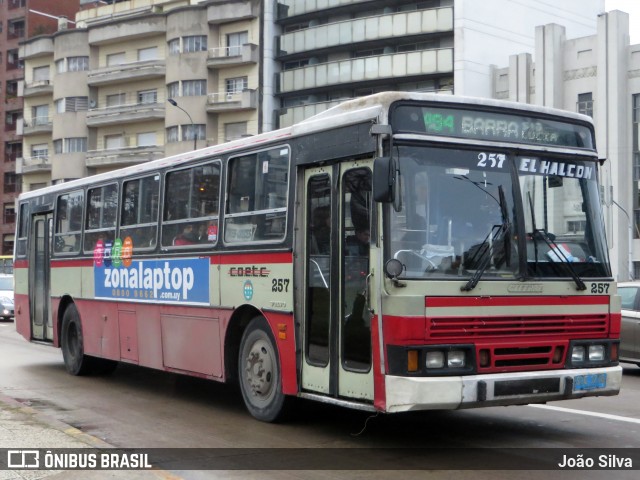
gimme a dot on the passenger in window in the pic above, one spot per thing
(358, 245)
(186, 237)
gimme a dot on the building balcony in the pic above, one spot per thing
(359, 30)
(131, 22)
(38, 88)
(225, 11)
(232, 102)
(291, 8)
(26, 165)
(130, 113)
(380, 67)
(36, 125)
(224, 57)
(127, 72)
(291, 115)
(36, 47)
(124, 156)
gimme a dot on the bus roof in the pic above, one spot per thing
(350, 112)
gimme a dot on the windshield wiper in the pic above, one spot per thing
(486, 252)
(553, 246)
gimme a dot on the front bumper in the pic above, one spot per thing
(445, 393)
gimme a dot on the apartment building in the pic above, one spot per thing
(328, 51)
(97, 97)
(598, 75)
(19, 20)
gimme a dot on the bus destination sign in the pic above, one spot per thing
(492, 126)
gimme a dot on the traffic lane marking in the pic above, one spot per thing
(589, 414)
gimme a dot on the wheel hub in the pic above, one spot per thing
(259, 370)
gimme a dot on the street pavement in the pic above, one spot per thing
(22, 427)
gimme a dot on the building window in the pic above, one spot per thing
(9, 213)
(40, 115)
(113, 142)
(116, 99)
(236, 85)
(233, 131)
(189, 132)
(116, 59)
(636, 108)
(196, 43)
(147, 139)
(192, 88)
(585, 104)
(235, 41)
(14, 60)
(172, 134)
(145, 54)
(173, 89)
(148, 96)
(40, 150)
(174, 46)
(41, 75)
(12, 150)
(12, 88)
(77, 64)
(70, 145)
(10, 181)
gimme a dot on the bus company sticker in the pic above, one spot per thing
(247, 290)
(184, 280)
(116, 253)
(98, 253)
(127, 252)
(212, 233)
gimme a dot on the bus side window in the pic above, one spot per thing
(68, 225)
(191, 214)
(139, 217)
(102, 212)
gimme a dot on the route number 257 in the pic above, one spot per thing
(491, 160)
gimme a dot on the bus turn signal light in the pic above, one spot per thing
(412, 361)
(282, 331)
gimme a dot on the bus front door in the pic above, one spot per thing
(337, 337)
(39, 277)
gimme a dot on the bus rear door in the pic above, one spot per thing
(336, 327)
(39, 276)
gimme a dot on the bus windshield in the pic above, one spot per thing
(463, 214)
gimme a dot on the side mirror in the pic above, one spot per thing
(383, 180)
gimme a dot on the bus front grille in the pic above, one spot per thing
(455, 328)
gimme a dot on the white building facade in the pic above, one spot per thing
(598, 75)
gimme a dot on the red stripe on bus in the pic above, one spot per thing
(80, 262)
(231, 259)
(514, 301)
(252, 257)
(21, 263)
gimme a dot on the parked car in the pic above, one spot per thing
(6, 297)
(630, 334)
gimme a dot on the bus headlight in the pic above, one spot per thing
(456, 359)
(577, 354)
(592, 353)
(596, 353)
(435, 359)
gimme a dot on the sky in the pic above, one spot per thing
(632, 7)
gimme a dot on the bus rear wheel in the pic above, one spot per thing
(72, 342)
(76, 362)
(259, 372)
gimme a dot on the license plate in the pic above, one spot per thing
(590, 381)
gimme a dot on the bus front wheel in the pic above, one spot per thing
(259, 372)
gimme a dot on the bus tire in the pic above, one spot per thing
(75, 361)
(259, 372)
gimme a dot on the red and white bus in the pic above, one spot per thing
(398, 252)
